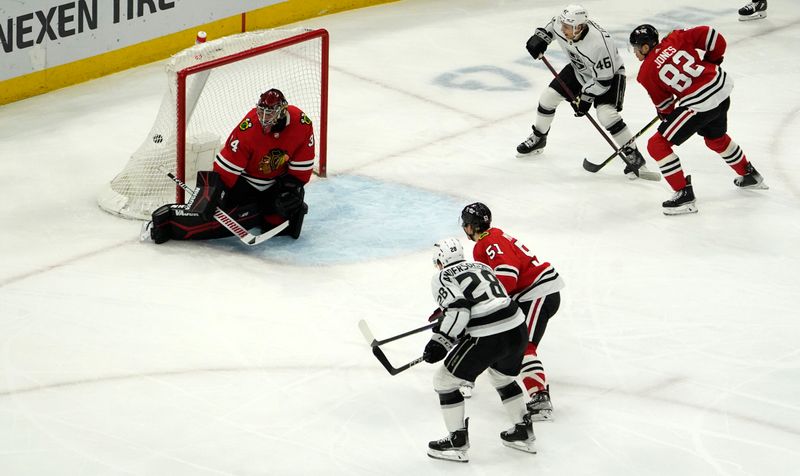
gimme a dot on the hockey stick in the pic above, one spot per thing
(378, 353)
(232, 225)
(373, 342)
(644, 175)
(593, 168)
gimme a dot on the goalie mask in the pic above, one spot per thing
(447, 251)
(271, 108)
(477, 215)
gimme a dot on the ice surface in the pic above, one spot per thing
(675, 351)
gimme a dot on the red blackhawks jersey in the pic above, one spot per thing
(522, 274)
(674, 74)
(260, 158)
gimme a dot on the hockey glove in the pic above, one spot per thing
(582, 104)
(290, 196)
(537, 44)
(437, 348)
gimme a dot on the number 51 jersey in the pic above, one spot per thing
(673, 70)
(473, 300)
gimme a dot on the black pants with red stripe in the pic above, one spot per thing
(547, 308)
(682, 123)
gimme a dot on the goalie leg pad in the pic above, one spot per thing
(210, 190)
(178, 223)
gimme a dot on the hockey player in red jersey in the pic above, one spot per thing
(534, 284)
(692, 95)
(258, 177)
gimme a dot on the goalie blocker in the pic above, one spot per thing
(267, 209)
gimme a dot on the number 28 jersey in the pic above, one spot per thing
(473, 301)
(674, 74)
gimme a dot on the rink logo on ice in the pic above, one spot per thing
(354, 219)
(483, 78)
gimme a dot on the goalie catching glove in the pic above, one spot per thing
(290, 196)
(437, 348)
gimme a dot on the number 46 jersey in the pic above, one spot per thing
(473, 301)
(673, 71)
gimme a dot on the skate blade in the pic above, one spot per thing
(684, 210)
(651, 176)
(533, 152)
(526, 446)
(754, 16)
(758, 186)
(542, 415)
(458, 456)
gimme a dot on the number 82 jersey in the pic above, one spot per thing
(673, 70)
(473, 301)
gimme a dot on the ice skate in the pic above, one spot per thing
(452, 447)
(144, 232)
(635, 166)
(540, 407)
(753, 11)
(633, 161)
(521, 436)
(534, 144)
(752, 179)
(682, 202)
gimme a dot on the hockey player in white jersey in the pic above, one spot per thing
(595, 75)
(481, 328)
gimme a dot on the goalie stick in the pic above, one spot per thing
(593, 168)
(232, 225)
(378, 353)
(646, 175)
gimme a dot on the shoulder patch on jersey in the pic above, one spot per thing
(304, 119)
(273, 160)
(245, 124)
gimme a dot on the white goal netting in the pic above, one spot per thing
(240, 68)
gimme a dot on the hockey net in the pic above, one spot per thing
(212, 86)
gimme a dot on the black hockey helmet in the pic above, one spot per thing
(644, 35)
(271, 108)
(478, 215)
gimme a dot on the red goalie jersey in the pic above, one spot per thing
(260, 157)
(674, 74)
(521, 273)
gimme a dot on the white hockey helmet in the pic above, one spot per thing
(447, 251)
(573, 15)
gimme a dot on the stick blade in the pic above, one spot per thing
(590, 167)
(366, 332)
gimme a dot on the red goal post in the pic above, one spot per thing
(212, 86)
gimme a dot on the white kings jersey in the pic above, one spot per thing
(473, 301)
(594, 57)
